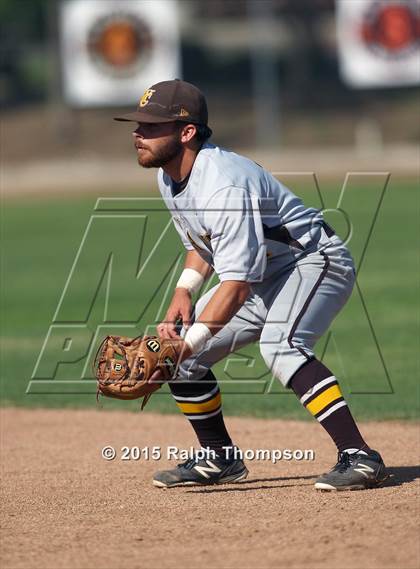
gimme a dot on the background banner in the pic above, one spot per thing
(112, 50)
(378, 42)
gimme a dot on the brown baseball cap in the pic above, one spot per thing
(169, 101)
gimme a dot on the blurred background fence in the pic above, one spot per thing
(270, 70)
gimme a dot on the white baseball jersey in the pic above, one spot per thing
(242, 221)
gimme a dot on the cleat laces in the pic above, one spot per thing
(344, 462)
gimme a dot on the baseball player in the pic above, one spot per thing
(284, 275)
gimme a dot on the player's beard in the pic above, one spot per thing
(159, 157)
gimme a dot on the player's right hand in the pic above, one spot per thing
(179, 309)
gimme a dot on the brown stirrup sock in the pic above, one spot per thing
(201, 403)
(319, 392)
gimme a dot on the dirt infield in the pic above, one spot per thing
(64, 506)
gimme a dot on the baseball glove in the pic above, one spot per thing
(123, 366)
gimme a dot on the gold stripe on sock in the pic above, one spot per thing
(324, 399)
(200, 407)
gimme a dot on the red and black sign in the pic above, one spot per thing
(392, 29)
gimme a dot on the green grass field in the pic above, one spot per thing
(376, 358)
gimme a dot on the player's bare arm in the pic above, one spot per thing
(194, 261)
(181, 304)
(224, 304)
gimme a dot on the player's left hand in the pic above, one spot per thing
(183, 352)
(129, 368)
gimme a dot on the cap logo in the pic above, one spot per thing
(183, 112)
(146, 97)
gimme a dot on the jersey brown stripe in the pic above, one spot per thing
(306, 304)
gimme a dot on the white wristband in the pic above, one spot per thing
(197, 336)
(191, 280)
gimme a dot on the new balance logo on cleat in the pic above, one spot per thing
(202, 472)
(365, 470)
(207, 470)
(358, 471)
